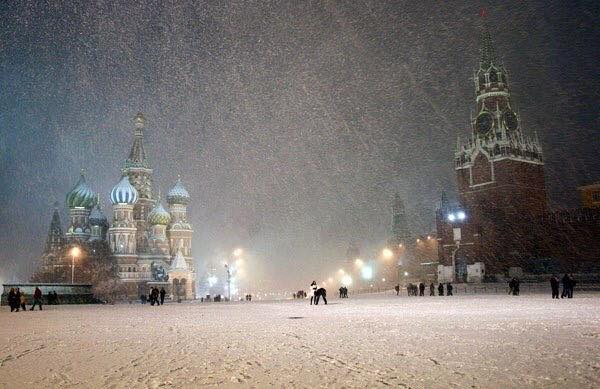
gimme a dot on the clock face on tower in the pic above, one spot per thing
(510, 120)
(484, 123)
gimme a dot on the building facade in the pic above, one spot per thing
(149, 244)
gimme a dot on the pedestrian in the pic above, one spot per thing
(321, 292)
(421, 289)
(566, 281)
(37, 298)
(23, 302)
(12, 299)
(431, 289)
(511, 286)
(49, 298)
(449, 289)
(341, 292)
(313, 289)
(17, 299)
(143, 298)
(55, 297)
(397, 289)
(572, 283)
(155, 294)
(162, 295)
(554, 285)
(440, 289)
(516, 287)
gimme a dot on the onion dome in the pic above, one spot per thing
(178, 194)
(179, 262)
(124, 192)
(159, 215)
(81, 196)
(97, 217)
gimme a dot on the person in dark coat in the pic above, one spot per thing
(554, 285)
(449, 289)
(431, 289)
(421, 289)
(397, 289)
(155, 296)
(55, 298)
(566, 281)
(12, 299)
(162, 296)
(440, 289)
(341, 291)
(37, 298)
(143, 298)
(516, 287)
(17, 299)
(321, 292)
(572, 283)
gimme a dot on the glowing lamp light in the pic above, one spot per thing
(367, 272)
(346, 280)
(451, 217)
(387, 253)
(75, 251)
(359, 262)
(461, 215)
(405, 274)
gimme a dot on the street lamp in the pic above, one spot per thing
(75, 251)
(387, 253)
(228, 281)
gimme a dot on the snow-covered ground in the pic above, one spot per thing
(418, 342)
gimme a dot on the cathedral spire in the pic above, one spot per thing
(400, 232)
(55, 238)
(137, 155)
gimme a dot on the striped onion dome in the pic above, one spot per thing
(178, 194)
(124, 192)
(179, 262)
(159, 215)
(81, 196)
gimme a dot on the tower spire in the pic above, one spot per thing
(137, 155)
(488, 51)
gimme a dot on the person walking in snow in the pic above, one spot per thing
(12, 299)
(566, 281)
(397, 289)
(449, 289)
(341, 292)
(431, 289)
(313, 289)
(421, 289)
(440, 289)
(37, 298)
(321, 292)
(162, 296)
(18, 295)
(23, 302)
(554, 285)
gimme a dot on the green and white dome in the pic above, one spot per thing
(159, 215)
(178, 195)
(81, 196)
(124, 192)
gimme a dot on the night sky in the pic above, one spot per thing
(292, 124)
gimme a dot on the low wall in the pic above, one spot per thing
(67, 293)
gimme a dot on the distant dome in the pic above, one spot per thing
(81, 196)
(159, 215)
(124, 192)
(178, 195)
(97, 217)
(179, 262)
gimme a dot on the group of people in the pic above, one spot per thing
(419, 290)
(17, 299)
(568, 285)
(343, 292)
(317, 293)
(248, 297)
(300, 294)
(155, 296)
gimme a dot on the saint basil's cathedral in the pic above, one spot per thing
(150, 244)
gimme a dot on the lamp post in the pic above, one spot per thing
(75, 251)
(228, 282)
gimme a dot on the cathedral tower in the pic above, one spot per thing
(80, 200)
(180, 231)
(55, 244)
(137, 168)
(122, 232)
